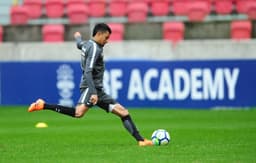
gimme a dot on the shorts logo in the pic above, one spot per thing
(89, 103)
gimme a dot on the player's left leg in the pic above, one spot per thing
(128, 123)
(107, 103)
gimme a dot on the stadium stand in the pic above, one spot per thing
(134, 15)
(160, 7)
(173, 31)
(137, 12)
(54, 8)
(34, 8)
(1, 33)
(77, 13)
(117, 32)
(241, 30)
(97, 8)
(223, 7)
(19, 15)
(117, 8)
(53, 33)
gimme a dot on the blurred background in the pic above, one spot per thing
(162, 53)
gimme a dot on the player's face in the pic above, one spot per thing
(104, 36)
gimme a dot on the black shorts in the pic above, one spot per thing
(104, 100)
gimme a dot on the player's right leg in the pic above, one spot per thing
(78, 112)
(42, 105)
(35, 106)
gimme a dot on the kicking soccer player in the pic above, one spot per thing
(91, 86)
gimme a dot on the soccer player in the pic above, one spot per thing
(91, 86)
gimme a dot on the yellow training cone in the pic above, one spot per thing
(41, 125)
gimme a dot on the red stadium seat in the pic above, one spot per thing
(251, 10)
(34, 8)
(179, 7)
(77, 2)
(53, 33)
(19, 15)
(160, 7)
(117, 31)
(173, 31)
(241, 5)
(1, 33)
(77, 13)
(247, 7)
(223, 7)
(143, 1)
(117, 7)
(54, 8)
(97, 8)
(241, 30)
(197, 11)
(137, 12)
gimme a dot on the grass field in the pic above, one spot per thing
(197, 136)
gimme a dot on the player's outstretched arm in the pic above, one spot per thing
(79, 41)
(77, 34)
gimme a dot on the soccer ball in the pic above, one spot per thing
(160, 137)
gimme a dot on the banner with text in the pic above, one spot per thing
(170, 84)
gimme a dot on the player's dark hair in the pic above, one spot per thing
(101, 27)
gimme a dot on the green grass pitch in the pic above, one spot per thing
(197, 136)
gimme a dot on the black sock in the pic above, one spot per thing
(61, 109)
(130, 126)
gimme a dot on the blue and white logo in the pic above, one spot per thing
(65, 84)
